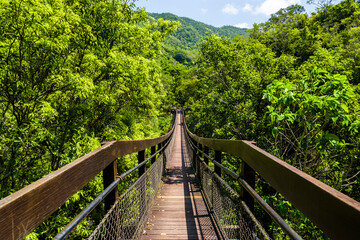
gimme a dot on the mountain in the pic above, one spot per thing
(191, 33)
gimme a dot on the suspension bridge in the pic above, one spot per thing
(183, 191)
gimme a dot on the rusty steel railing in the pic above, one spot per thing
(24, 210)
(336, 214)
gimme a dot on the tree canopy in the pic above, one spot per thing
(292, 87)
(74, 74)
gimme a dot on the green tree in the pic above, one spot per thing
(74, 74)
(269, 88)
(307, 116)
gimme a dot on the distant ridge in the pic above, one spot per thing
(192, 33)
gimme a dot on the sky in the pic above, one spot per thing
(239, 13)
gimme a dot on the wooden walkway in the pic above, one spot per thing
(179, 210)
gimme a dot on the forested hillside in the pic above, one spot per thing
(74, 74)
(191, 33)
(183, 45)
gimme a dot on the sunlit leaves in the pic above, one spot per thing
(74, 74)
(291, 87)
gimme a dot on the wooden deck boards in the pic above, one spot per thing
(179, 211)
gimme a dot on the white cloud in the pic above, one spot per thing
(272, 6)
(247, 8)
(230, 9)
(242, 25)
(204, 10)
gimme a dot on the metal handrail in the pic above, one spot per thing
(84, 213)
(26, 208)
(272, 213)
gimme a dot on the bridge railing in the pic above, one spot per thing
(336, 214)
(24, 210)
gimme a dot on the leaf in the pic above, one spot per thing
(334, 119)
(345, 107)
(330, 136)
(281, 117)
(274, 131)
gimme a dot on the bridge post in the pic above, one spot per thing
(141, 158)
(218, 159)
(153, 150)
(199, 158)
(142, 190)
(164, 158)
(200, 149)
(159, 147)
(109, 175)
(196, 158)
(193, 155)
(248, 174)
(206, 151)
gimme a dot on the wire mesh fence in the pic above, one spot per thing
(126, 218)
(233, 217)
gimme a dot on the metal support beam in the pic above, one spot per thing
(206, 151)
(159, 147)
(248, 175)
(153, 151)
(218, 159)
(141, 158)
(109, 176)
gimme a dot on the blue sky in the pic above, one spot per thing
(240, 13)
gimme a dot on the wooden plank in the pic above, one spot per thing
(177, 227)
(179, 222)
(24, 210)
(177, 237)
(178, 197)
(126, 147)
(332, 211)
(172, 208)
(177, 232)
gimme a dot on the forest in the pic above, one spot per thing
(74, 74)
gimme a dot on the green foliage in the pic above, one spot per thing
(72, 75)
(192, 33)
(307, 116)
(76, 73)
(292, 87)
(232, 75)
(183, 45)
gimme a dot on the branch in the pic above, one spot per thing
(352, 176)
